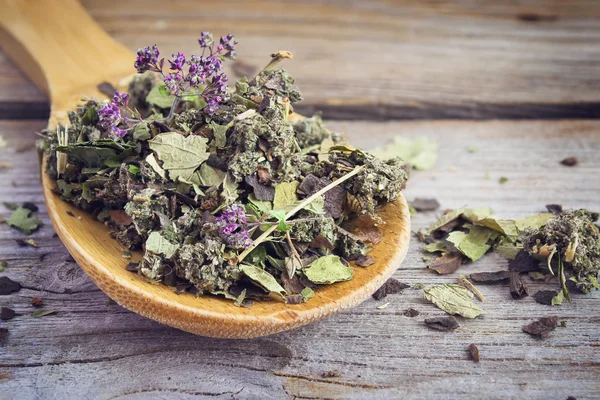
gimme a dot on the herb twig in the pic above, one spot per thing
(299, 207)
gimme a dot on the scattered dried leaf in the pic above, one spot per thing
(36, 302)
(454, 299)
(331, 374)
(442, 323)
(120, 217)
(570, 161)
(422, 204)
(391, 286)
(542, 327)
(545, 296)
(411, 313)
(474, 351)
(8, 286)
(447, 263)
(518, 288)
(7, 313)
(523, 262)
(364, 261)
(554, 209)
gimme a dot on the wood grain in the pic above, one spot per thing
(99, 350)
(387, 59)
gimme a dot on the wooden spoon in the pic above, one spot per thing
(67, 55)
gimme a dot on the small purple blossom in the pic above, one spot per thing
(120, 99)
(147, 59)
(177, 62)
(173, 83)
(206, 39)
(109, 115)
(232, 226)
(117, 132)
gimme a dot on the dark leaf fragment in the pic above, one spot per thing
(489, 277)
(132, 267)
(3, 334)
(411, 313)
(261, 192)
(570, 161)
(442, 323)
(334, 198)
(364, 261)
(70, 213)
(554, 209)
(542, 327)
(447, 264)
(545, 296)
(518, 288)
(321, 242)
(421, 204)
(120, 217)
(392, 286)
(523, 262)
(30, 206)
(474, 351)
(7, 313)
(8, 286)
(36, 302)
(291, 285)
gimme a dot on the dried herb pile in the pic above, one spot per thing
(562, 244)
(227, 192)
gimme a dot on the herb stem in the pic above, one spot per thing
(299, 207)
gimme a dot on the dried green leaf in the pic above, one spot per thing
(506, 227)
(453, 299)
(3, 265)
(219, 135)
(141, 132)
(208, 176)
(444, 219)
(151, 160)
(133, 169)
(159, 97)
(438, 246)
(447, 264)
(420, 153)
(262, 278)
(307, 293)
(22, 220)
(473, 244)
(502, 180)
(472, 149)
(328, 269)
(533, 222)
(477, 214)
(41, 313)
(508, 250)
(263, 206)
(229, 193)
(157, 244)
(285, 194)
(558, 299)
(180, 155)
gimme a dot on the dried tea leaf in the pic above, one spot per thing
(554, 209)
(442, 323)
(542, 327)
(473, 244)
(506, 227)
(262, 192)
(477, 214)
(447, 263)
(22, 220)
(474, 351)
(438, 246)
(307, 293)
(508, 250)
(502, 180)
(26, 242)
(546, 297)
(262, 278)
(157, 244)
(3, 265)
(208, 176)
(518, 288)
(523, 262)
(181, 155)
(120, 217)
(219, 135)
(41, 313)
(364, 261)
(391, 286)
(321, 242)
(569, 161)
(381, 307)
(472, 149)
(489, 277)
(411, 313)
(537, 276)
(158, 98)
(559, 298)
(285, 195)
(7, 313)
(422, 204)
(444, 219)
(151, 160)
(328, 269)
(421, 153)
(141, 131)
(36, 302)
(533, 222)
(453, 299)
(365, 228)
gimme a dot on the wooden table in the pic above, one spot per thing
(520, 82)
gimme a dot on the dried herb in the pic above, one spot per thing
(454, 299)
(327, 270)
(331, 374)
(420, 153)
(42, 313)
(489, 277)
(36, 302)
(391, 286)
(474, 352)
(545, 296)
(7, 313)
(554, 209)
(364, 261)
(442, 323)
(422, 204)
(411, 313)
(3, 265)
(518, 288)
(502, 180)
(447, 263)
(3, 334)
(569, 161)
(8, 286)
(21, 219)
(523, 262)
(542, 327)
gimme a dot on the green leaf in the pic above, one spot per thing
(151, 160)
(208, 176)
(141, 132)
(453, 299)
(328, 269)
(473, 244)
(307, 293)
(90, 117)
(477, 214)
(257, 256)
(157, 244)
(420, 153)
(506, 227)
(558, 299)
(220, 134)
(444, 219)
(437, 246)
(263, 206)
(94, 154)
(285, 194)
(181, 155)
(158, 99)
(262, 278)
(508, 250)
(22, 220)
(162, 89)
(133, 169)
(533, 222)
(229, 193)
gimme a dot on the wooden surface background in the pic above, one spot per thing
(519, 81)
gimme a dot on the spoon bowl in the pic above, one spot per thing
(67, 66)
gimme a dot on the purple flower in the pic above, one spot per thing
(228, 43)
(206, 39)
(120, 99)
(147, 59)
(117, 132)
(109, 115)
(232, 226)
(177, 61)
(173, 83)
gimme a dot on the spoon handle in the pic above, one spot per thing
(60, 47)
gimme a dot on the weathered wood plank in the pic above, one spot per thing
(381, 60)
(99, 350)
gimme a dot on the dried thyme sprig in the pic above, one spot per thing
(299, 207)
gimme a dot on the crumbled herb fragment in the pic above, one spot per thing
(545, 296)
(447, 263)
(474, 352)
(570, 161)
(8, 286)
(391, 286)
(36, 302)
(442, 323)
(21, 219)
(411, 313)
(7, 313)
(454, 299)
(542, 327)
(3, 265)
(331, 374)
(502, 180)
(554, 209)
(518, 288)
(489, 277)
